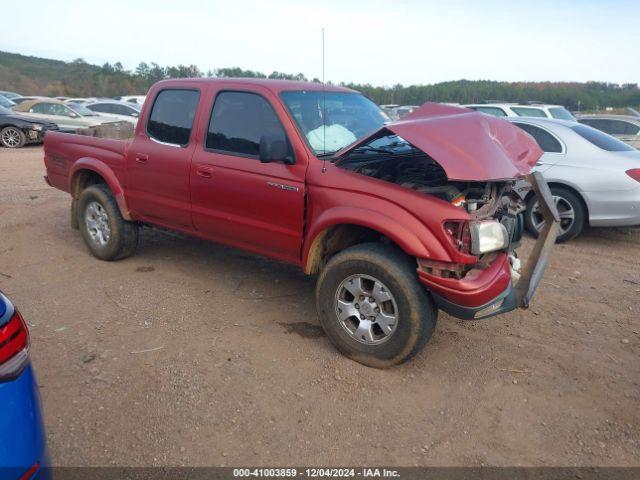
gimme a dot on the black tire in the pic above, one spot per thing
(567, 197)
(416, 314)
(123, 238)
(10, 135)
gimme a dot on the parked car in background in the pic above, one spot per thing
(18, 130)
(5, 102)
(126, 111)
(139, 99)
(404, 110)
(624, 127)
(530, 109)
(68, 117)
(19, 100)
(594, 177)
(9, 95)
(79, 100)
(275, 167)
(23, 449)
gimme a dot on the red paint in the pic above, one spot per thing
(477, 288)
(237, 201)
(469, 145)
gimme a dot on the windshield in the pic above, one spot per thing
(332, 120)
(561, 113)
(601, 139)
(82, 110)
(5, 111)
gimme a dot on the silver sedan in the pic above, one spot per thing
(594, 177)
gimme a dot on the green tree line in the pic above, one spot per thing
(40, 76)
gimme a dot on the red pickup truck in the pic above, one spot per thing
(397, 220)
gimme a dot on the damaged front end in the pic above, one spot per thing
(472, 162)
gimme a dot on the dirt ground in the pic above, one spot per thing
(191, 353)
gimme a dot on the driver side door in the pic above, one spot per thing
(238, 200)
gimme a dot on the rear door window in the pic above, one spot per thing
(172, 116)
(547, 142)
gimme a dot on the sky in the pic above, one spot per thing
(366, 41)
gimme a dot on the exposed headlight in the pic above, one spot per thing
(488, 236)
(37, 128)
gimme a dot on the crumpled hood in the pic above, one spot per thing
(468, 145)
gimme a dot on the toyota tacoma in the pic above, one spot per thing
(397, 219)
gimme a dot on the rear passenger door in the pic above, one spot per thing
(158, 161)
(554, 150)
(238, 200)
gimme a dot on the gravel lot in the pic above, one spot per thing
(191, 353)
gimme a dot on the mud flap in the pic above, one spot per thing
(539, 258)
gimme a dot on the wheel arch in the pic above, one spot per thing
(89, 171)
(342, 227)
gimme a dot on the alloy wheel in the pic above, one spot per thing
(97, 222)
(565, 210)
(366, 309)
(11, 137)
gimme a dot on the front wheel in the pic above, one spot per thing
(571, 211)
(107, 235)
(372, 307)
(12, 137)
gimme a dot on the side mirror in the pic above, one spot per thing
(274, 148)
(73, 115)
(134, 115)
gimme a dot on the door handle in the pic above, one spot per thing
(142, 157)
(204, 171)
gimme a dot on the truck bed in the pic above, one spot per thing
(63, 150)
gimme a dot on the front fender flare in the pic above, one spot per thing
(412, 237)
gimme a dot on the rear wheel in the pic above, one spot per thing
(570, 208)
(372, 306)
(107, 235)
(12, 137)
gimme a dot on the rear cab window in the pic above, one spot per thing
(172, 116)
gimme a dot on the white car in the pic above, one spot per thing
(530, 109)
(594, 178)
(139, 99)
(129, 112)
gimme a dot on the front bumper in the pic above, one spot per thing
(503, 303)
(34, 136)
(490, 291)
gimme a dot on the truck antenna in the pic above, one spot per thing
(324, 117)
